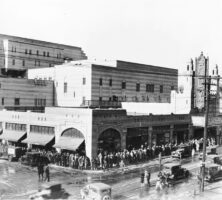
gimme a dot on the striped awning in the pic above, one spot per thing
(13, 136)
(69, 143)
(39, 139)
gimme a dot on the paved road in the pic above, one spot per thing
(19, 182)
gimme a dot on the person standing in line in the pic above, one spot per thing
(47, 174)
(148, 178)
(145, 177)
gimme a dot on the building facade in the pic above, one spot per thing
(19, 54)
(25, 94)
(84, 83)
(99, 129)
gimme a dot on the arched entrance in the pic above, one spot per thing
(72, 140)
(109, 140)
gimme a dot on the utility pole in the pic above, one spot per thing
(205, 133)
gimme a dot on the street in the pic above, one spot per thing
(20, 182)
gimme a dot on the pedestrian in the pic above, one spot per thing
(47, 175)
(40, 171)
(142, 179)
(145, 177)
(193, 153)
(148, 178)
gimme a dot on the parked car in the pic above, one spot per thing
(31, 158)
(174, 172)
(14, 153)
(96, 191)
(182, 152)
(213, 158)
(212, 172)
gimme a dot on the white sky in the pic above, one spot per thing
(158, 32)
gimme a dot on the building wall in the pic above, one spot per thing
(26, 91)
(25, 50)
(133, 75)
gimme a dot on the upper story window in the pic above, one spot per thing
(26, 51)
(65, 87)
(13, 49)
(161, 88)
(23, 62)
(110, 82)
(47, 54)
(100, 81)
(83, 80)
(138, 87)
(3, 101)
(172, 87)
(13, 62)
(43, 53)
(37, 62)
(30, 51)
(124, 85)
(37, 52)
(149, 87)
(17, 101)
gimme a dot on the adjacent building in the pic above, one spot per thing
(18, 54)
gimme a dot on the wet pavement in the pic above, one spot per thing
(20, 182)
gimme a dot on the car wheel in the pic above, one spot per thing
(106, 198)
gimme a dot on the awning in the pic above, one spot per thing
(39, 139)
(69, 143)
(13, 136)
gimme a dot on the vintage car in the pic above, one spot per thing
(212, 172)
(96, 191)
(182, 152)
(174, 171)
(31, 159)
(213, 158)
(14, 153)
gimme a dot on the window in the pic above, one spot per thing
(74, 94)
(83, 80)
(3, 101)
(138, 87)
(172, 87)
(83, 99)
(161, 88)
(13, 49)
(65, 87)
(43, 53)
(37, 62)
(100, 81)
(149, 87)
(47, 54)
(100, 98)
(37, 52)
(30, 51)
(26, 51)
(17, 101)
(123, 85)
(23, 63)
(110, 82)
(13, 62)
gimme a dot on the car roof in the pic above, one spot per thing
(212, 156)
(212, 165)
(172, 164)
(100, 186)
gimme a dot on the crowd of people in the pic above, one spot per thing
(106, 160)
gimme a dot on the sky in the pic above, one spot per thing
(165, 33)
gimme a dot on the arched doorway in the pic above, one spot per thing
(71, 140)
(109, 140)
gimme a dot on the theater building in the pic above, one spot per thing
(107, 84)
(94, 129)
